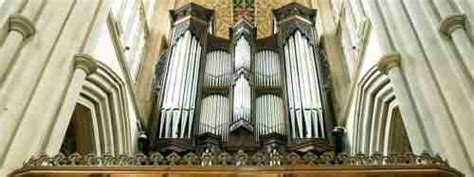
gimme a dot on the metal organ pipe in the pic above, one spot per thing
(296, 88)
(177, 112)
(242, 90)
(242, 54)
(290, 92)
(270, 115)
(218, 69)
(306, 97)
(303, 88)
(267, 69)
(242, 99)
(215, 115)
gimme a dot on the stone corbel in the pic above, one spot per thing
(22, 25)
(451, 23)
(388, 61)
(86, 63)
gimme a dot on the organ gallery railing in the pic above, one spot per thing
(229, 164)
(239, 158)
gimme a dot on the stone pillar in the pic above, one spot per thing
(454, 26)
(84, 66)
(389, 64)
(20, 28)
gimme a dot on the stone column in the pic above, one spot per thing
(389, 64)
(454, 26)
(20, 28)
(84, 66)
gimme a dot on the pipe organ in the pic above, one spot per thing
(304, 99)
(267, 69)
(242, 92)
(178, 108)
(218, 69)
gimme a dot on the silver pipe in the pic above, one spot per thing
(266, 114)
(182, 88)
(269, 69)
(219, 114)
(215, 69)
(257, 69)
(315, 75)
(193, 90)
(278, 79)
(272, 72)
(168, 123)
(162, 122)
(211, 69)
(280, 115)
(218, 68)
(179, 73)
(313, 86)
(170, 88)
(310, 68)
(263, 69)
(194, 77)
(304, 75)
(289, 90)
(297, 96)
(207, 114)
(272, 114)
(170, 74)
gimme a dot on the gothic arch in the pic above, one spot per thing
(376, 111)
(104, 94)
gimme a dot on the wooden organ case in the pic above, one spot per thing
(240, 107)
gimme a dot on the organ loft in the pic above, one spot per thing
(236, 88)
(242, 93)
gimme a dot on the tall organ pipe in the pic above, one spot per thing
(177, 112)
(291, 104)
(242, 100)
(242, 90)
(242, 54)
(304, 99)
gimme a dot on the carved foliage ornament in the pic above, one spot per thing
(273, 158)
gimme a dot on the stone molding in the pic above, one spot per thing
(452, 22)
(85, 62)
(21, 24)
(388, 61)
